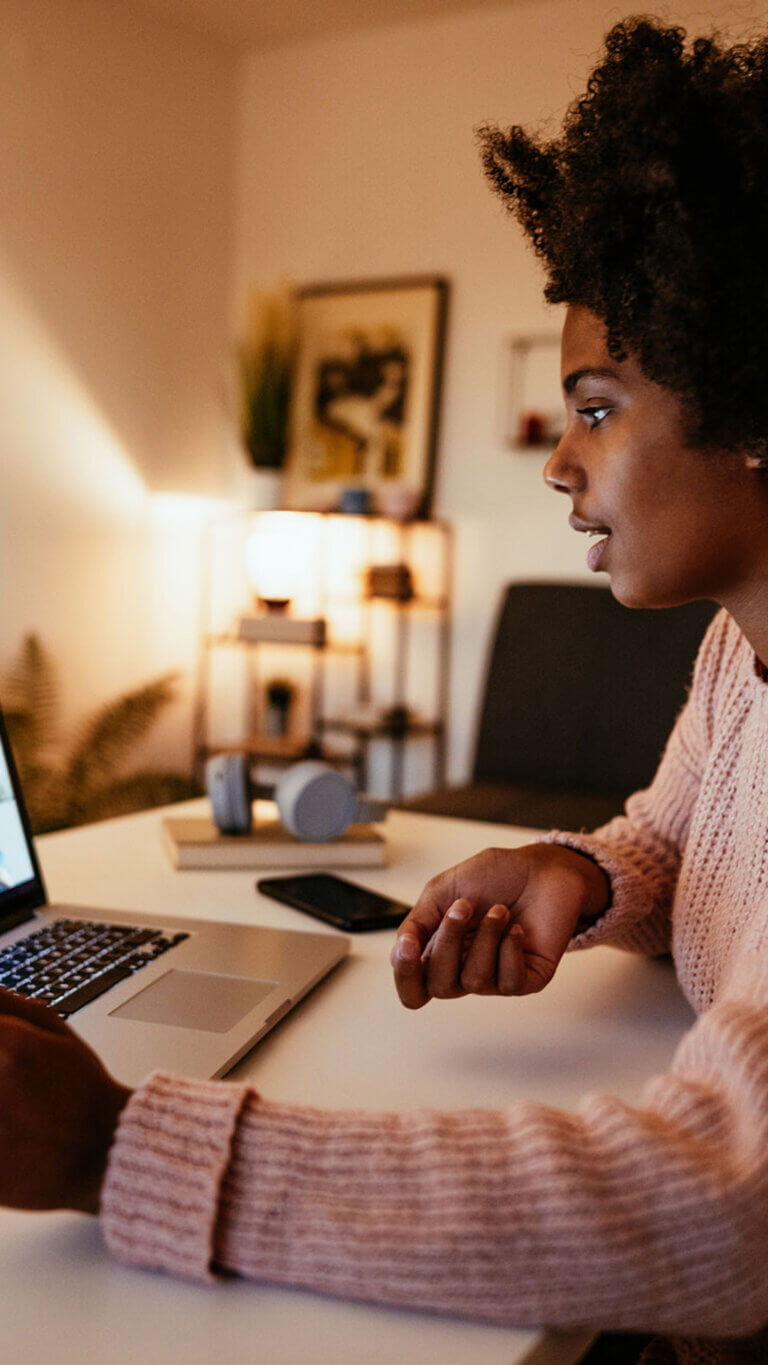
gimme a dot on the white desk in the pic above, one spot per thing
(608, 1020)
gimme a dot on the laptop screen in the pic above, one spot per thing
(15, 862)
(20, 879)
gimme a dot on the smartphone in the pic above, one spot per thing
(339, 902)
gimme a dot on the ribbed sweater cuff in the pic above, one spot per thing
(639, 887)
(161, 1191)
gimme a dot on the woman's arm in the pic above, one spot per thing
(652, 1217)
(499, 922)
(640, 852)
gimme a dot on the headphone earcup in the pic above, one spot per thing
(227, 783)
(315, 801)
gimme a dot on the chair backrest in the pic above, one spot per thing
(582, 692)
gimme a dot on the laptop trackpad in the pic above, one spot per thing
(198, 1000)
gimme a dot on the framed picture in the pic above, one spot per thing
(366, 396)
(535, 416)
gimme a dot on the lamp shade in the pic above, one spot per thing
(281, 555)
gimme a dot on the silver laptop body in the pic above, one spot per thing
(197, 1007)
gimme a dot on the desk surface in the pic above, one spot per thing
(608, 1021)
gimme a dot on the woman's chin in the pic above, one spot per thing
(630, 589)
(633, 593)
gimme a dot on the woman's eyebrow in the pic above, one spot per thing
(590, 372)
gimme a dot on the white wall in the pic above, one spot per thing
(122, 270)
(357, 159)
(116, 166)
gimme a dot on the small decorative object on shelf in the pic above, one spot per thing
(397, 500)
(397, 720)
(389, 580)
(287, 630)
(279, 698)
(355, 501)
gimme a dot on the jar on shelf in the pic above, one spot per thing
(279, 696)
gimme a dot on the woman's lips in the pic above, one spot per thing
(595, 553)
(592, 528)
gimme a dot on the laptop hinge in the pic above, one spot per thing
(14, 918)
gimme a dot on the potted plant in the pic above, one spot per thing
(84, 779)
(265, 359)
(279, 701)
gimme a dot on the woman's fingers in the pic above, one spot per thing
(471, 957)
(444, 960)
(470, 953)
(479, 972)
(31, 1010)
(409, 971)
(511, 962)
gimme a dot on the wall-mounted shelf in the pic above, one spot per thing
(534, 408)
(232, 639)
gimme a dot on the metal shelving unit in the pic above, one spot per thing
(382, 714)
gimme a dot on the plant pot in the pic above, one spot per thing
(260, 489)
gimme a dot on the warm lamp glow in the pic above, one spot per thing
(281, 554)
(346, 546)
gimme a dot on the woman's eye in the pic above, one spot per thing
(594, 414)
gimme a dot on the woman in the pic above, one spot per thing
(649, 213)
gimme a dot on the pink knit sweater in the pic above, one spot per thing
(650, 1217)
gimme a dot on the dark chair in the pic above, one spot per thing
(580, 698)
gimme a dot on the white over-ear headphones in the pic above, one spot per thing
(314, 801)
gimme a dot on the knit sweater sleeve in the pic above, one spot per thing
(641, 851)
(652, 1217)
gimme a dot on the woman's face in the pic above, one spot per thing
(681, 524)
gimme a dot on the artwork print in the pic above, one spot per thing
(364, 412)
(360, 402)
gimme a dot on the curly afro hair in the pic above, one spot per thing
(651, 210)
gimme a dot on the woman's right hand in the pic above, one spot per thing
(496, 924)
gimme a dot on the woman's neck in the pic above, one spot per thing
(749, 609)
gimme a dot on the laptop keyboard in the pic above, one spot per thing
(71, 962)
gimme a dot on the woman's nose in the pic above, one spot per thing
(562, 473)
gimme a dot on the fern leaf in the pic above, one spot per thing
(113, 730)
(30, 694)
(46, 798)
(139, 791)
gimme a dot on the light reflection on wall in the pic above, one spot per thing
(177, 523)
(54, 438)
(105, 572)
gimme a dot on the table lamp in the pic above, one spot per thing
(280, 554)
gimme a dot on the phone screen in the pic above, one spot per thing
(336, 900)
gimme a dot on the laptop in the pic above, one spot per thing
(186, 996)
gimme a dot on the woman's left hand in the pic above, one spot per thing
(58, 1111)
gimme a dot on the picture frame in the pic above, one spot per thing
(535, 416)
(366, 396)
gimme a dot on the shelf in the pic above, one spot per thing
(381, 728)
(424, 603)
(335, 647)
(279, 751)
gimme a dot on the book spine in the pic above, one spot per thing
(281, 630)
(189, 857)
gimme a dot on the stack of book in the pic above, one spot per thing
(286, 630)
(197, 843)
